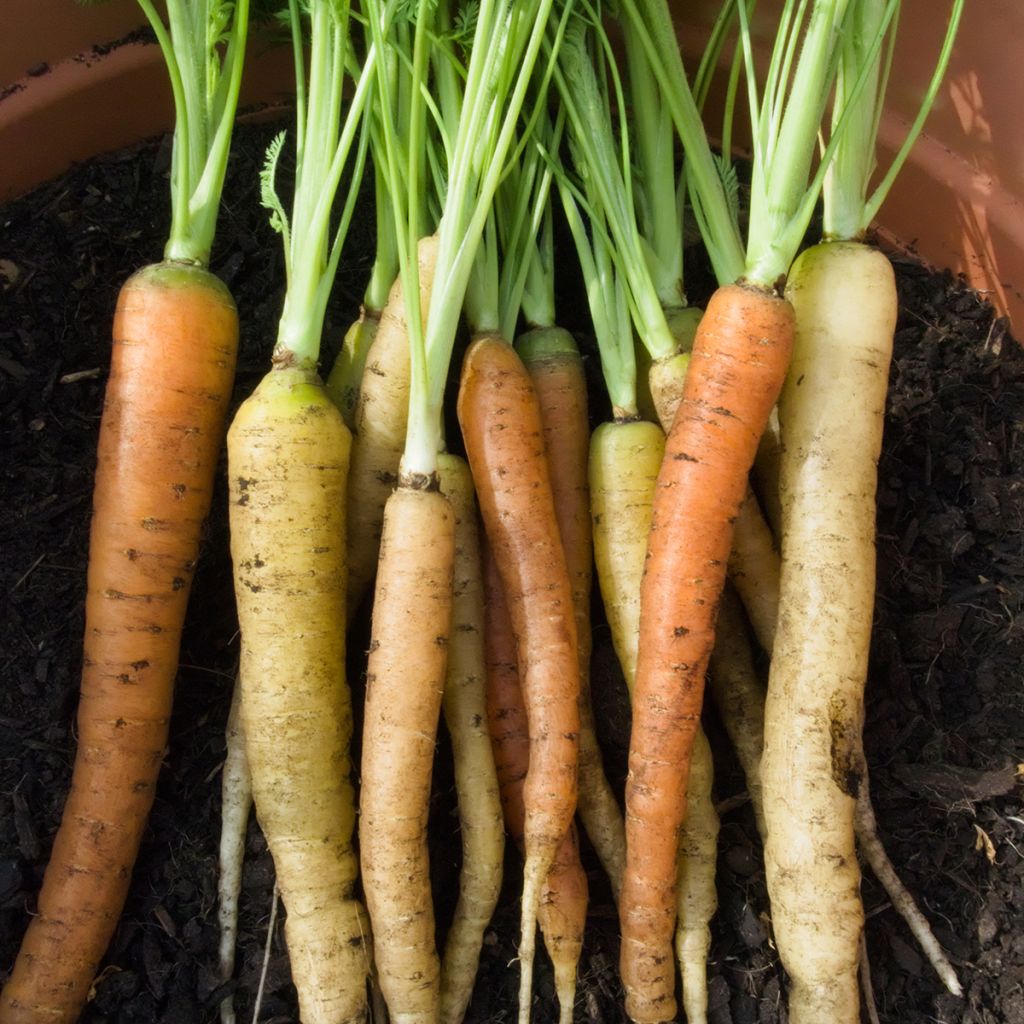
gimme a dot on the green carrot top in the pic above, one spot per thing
(324, 143)
(863, 74)
(204, 49)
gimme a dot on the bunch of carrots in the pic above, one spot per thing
(484, 124)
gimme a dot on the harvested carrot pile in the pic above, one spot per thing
(943, 717)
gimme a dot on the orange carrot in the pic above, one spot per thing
(556, 369)
(736, 371)
(563, 903)
(175, 336)
(412, 612)
(502, 428)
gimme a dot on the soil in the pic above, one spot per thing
(945, 730)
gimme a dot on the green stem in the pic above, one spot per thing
(779, 206)
(328, 146)
(609, 305)
(662, 226)
(594, 151)
(652, 23)
(499, 71)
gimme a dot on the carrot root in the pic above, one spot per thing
(172, 367)
(288, 451)
(503, 431)
(556, 369)
(476, 782)
(736, 370)
(412, 612)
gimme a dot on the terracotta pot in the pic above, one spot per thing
(83, 85)
(959, 202)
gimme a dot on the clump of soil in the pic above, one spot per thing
(945, 731)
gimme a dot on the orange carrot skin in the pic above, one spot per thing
(502, 428)
(506, 712)
(556, 370)
(172, 368)
(736, 371)
(563, 905)
(501, 424)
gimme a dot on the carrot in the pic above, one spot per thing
(501, 60)
(624, 463)
(553, 362)
(563, 903)
(739, 358)
(831, 415)
(381, 416)
(288, 459)
(288, 451)
(175, 336)
(480, 819)
(739, 361)
(236, 803)
(405, 679)
(172, 366)
(503, 432)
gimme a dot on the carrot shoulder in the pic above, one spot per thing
(175, 337)
(736, 371)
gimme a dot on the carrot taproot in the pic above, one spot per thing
(412, 612)
(624, 462)
(175, 337)
(737, 366)
(236, 803)
(175, 342)
(556, 369)
(739, 696)
(288, 451)
(814, 711)
(288, 462)
(563, 902)
(502, 428)
(381, 416)
(476, 782)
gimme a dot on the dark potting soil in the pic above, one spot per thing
(945, 730)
